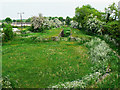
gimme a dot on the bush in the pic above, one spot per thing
(74, 24)
(93, 25)
(112, 29)
(8, 33)
(66, 32)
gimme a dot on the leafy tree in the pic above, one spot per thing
(93, 25)
(28, 20)
(61, 19)
(18, 20)
(82, 13)
(111, 12)
(14, 20)
(8, 33)
(37, 23)
(74, 24)
(68, 19)
(8, 20)
(112, 29)
(3, 25)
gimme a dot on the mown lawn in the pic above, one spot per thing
(47, 33)
(31, 64)
(38, 65)
(43, 64)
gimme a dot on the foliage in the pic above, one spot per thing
(37, 23)
(111, 81)
(6, 83)
(8, 33)
(14, 20)
(3, 25)
(79, 83)
(112, 29)
(41, 23)
(8, 20)
(81, 14)
(74, 24)
(67, 20)
(111, 12)
(67, 32)
(28, 20)
(101, 55)
(18, 20)
(93, 25)
(61, 19)
(57, 22)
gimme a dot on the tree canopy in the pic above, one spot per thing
(8, 20)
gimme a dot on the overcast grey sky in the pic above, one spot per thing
(10, 8)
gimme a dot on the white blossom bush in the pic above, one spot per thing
(79, 83)
(93, 25)
(41, 23)
(109, 39)
(74, 24)
(37, 22)
(100, 53)
(48, 23)
(57, 22)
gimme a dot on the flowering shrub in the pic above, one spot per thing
(37, 22)
(100, 53)
(57, 22)
(6, 82)
(40, 23)
(93, 25)
(79, 83)
(109, 39)
(74, 24)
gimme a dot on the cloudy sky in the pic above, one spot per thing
(10, 8)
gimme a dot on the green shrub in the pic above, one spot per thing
(8, 33)
(112, 29)
(6, 82)
(93, 25)
(66, 32)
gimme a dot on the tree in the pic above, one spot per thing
(68, 19)
(3, 25)
(14, 20)
(28, 20)
(74, 24)
(61, 19)
(81, 14)
(93, 25)
(38, 22)
(8, 20)
(111, 12)
(8, 33)
(18, 20)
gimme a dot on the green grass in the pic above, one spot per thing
(32, 64)
(43, 64)
(80, 34)
(46, 33)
